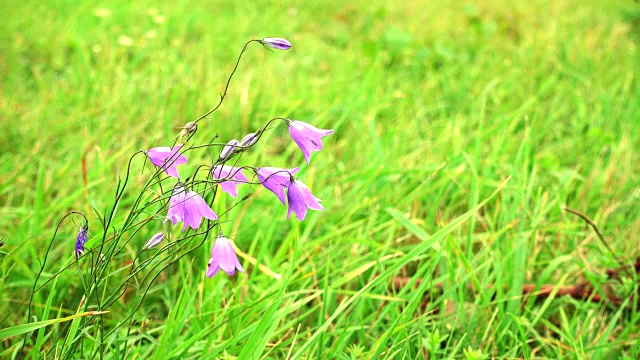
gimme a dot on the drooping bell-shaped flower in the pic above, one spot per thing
(277, 43)
(81, 239)
(167, 159)
(188, 207)
(300, 199)
(234, 175)
(307, 136)
(223, 256)
(276, 180)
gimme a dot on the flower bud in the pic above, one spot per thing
(249, 140)
(277, 43)
(228, 150)
(153, 241)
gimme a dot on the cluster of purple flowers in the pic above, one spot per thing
(189, 207)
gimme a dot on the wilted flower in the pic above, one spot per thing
(228, 150)
(188, 129)
(223, 172)
(167, 159)
(277, 43)
(153, 241)
(81, 239)
(249, 139)
(276, 179)
(224, 257)
(308, 137)
(300, 198)
(188, 207)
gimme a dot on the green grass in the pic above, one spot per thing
(435, 105)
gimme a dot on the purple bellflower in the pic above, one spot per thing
(277, 43)
(228, 150)
(167, 158)
(223, 256)
(188, 207)
(235, 174)
(81, 239)
(308, 137)
(276, 180)
(300, 198)
(153, 241)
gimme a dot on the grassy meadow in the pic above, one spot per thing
(462, 130)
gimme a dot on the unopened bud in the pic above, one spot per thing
(155, 240)
(277, 43)
(228, 149)
(249, 140)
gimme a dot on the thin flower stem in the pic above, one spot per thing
(155, 276)
(116, 236)
(44, 262)
(119, 193)
(224, 94)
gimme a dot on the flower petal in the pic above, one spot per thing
(212, 269)
(172, 171)
(175, 213)
(167, 159)
(307, 136)
(297, 202)
(276, 180)
(319, 132)
(158, 152)
(302, 143)
(203, 207)
(220, 171)
(239, 266)
(238, 175)
(230, 188)
(192, 215)
(226, 171)
(223, 256)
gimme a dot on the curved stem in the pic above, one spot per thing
(44, 262)
(222, 96)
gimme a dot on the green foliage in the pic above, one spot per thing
(434, 105)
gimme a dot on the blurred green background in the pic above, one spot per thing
(434, 105)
